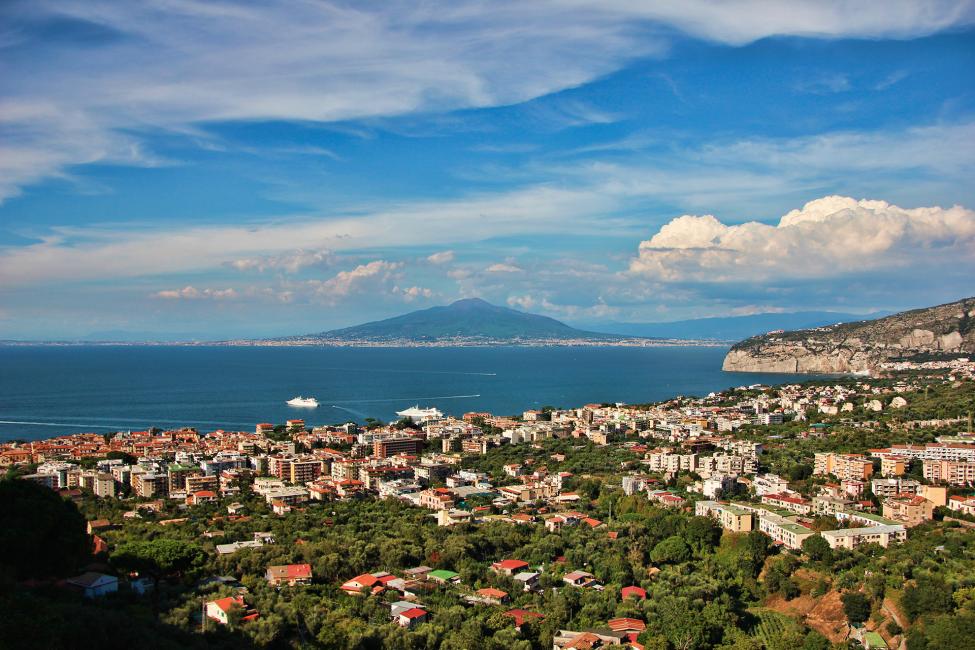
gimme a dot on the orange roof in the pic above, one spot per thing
(509, 565)
(520, 615)
(626, 624)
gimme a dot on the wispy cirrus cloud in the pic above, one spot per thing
(114, 70)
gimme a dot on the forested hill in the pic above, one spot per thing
(471, 318)
(932, 332)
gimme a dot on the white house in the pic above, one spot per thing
(94, 585)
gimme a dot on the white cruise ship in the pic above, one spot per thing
(417, 414)
(307, 402)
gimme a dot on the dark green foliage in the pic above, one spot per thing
(672, 550)
(41, 534)
(856, 606)
(928, 595)
(158, 557)
(817, 548)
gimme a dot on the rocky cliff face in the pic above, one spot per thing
(859, 347)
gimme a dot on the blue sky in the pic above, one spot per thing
(222, 169)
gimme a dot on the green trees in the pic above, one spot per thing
(856, 606)
(158, 558)
(672, 550)
(41, 534)
(817, 549)
(928, 595)
(702, 533)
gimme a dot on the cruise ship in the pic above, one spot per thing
(417, 414)
(309, 402)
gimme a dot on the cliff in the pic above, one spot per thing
(858, 347)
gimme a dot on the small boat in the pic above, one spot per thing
(308, 402)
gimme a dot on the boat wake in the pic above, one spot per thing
(405, 399)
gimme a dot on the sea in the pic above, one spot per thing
(47, 391)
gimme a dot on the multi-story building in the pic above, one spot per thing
(853, 537)
(202, 483)
(395, 446)
(951, 472)
(150, 484)
(892, 466)
(843, 466)
(732, 518)
(795, 504)
(769, 484)
(889, 487)
(784, 530)
(437, 499)
(910, 510)
(177, 474)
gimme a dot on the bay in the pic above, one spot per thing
(47, 391)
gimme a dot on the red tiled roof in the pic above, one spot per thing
(520, 615)
(510, 565)
(416, 612)
(626, 624)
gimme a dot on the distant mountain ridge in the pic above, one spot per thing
(468, 319)
(931, 332)
(735, 328)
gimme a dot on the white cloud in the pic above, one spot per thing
(290, 262)
(345, 283)
(413, 293)
(528, 302)
(174, 65)
(503, 268)
(442, 257)
(80, 254)
(192, 293)
(829, 237)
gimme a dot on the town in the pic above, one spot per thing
(568, 527)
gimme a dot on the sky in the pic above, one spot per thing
(215, 169)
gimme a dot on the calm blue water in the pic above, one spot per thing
(45, 391)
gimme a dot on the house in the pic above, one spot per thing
(509, 567)
(98, 525)
(412, 617)
(580, 579)
(289, 574)
(587, 640)
(219, 610)
(358, 584)
(443, 576)
(94, 585)
(201, 496)
(522, 615)
(492, 595)
(626, 625)
(633, 592)
(528, 579)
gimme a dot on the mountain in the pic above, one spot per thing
(471, 319)
(933, 332)
(733, 328)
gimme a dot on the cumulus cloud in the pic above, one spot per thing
(413, 293)
(345, 283)
(504, 268)
(178, 64)
(442, 257)
(291, 262)
(828, 237)
(192, 293)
